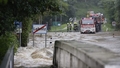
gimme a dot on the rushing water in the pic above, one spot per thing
(40, 56)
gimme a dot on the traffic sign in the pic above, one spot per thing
(70, 19)
(18, 26)
(113, 23)
(18, 30)
(39, 28)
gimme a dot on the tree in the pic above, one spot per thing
(3, 1)
(32, 8)
(6, 18)
(117, 13)
(112, 8)
(23, 10)
(109, 7)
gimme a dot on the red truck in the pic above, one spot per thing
(87, 25)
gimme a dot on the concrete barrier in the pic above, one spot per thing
(76, 54)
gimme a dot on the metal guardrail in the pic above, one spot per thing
(8, 61)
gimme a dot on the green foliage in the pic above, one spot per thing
(117, 13)
(3, 1)
(20, 10)
(107, 27)
(6, 19)
(59, 28)
(27, 26)
(79, 8)
(25, 9)
(6, 41)
(76, 8)
(112, 8)
(109, 7)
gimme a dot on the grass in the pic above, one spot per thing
(107, 27)
(63, 28)
(59, 28)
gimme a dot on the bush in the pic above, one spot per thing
(6, 41)
(26, 27)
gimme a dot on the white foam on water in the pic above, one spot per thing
(38, 55)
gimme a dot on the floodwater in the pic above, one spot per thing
(40, 56)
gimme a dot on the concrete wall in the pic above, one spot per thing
(74, 54)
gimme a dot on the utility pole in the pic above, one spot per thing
(61, 13)
(61, 18)
(40, 22)
(85, 3)
(61, 9)
(55, 21)
(40, 19)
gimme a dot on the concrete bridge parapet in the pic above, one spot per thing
(76, 54)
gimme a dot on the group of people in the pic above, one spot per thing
(69, 27)
(72, 27)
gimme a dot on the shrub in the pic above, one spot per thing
(6, 41)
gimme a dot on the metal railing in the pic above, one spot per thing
(8, 61)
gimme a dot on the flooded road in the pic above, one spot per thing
(39, 56)
(106, 40)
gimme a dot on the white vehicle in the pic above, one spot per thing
(87, 25)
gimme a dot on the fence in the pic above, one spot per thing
(8, 61)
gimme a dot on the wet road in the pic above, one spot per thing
(106, 40)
